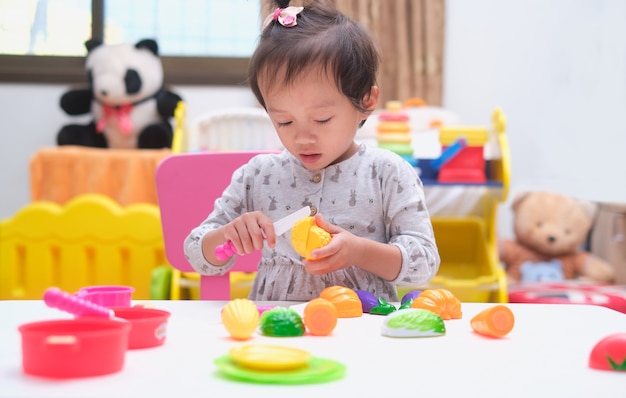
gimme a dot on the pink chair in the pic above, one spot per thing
(187, 186)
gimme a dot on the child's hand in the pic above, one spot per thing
(248, 231)
(336, 254)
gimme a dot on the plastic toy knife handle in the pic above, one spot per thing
(57, 298)
(223, 252)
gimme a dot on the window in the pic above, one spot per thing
(200, 41)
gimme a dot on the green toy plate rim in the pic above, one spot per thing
(319, 370)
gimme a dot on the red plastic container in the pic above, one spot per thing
(107, 296)
(74, 347)
(148, 325)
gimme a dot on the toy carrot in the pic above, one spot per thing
(320, 317)
(496, 321)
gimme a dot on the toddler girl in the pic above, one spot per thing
(314, 71)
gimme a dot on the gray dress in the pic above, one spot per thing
(375, 194)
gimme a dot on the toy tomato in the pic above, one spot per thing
(609, 353)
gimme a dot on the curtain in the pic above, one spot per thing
(410, 34)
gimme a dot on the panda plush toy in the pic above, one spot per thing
(129, 105)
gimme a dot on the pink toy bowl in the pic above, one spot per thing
(107, 296)
(148, 325)
(74, 348)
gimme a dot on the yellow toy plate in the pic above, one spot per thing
(269, 357)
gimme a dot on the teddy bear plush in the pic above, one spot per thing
(128, 102)
(550, 230)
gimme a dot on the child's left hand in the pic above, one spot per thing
(335, 255)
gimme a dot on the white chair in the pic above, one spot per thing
(233, 129)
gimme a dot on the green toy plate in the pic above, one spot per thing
(318, 370)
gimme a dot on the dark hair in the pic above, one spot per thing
(323, 37)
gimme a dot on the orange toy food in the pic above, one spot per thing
(440, 301)
(320, 317)
(345, 300)
(306, 236)
(496, 321)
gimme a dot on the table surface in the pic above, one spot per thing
(546, 354)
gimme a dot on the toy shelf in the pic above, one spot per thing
(467, 239)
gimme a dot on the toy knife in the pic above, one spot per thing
(222, 252)
(57, 298)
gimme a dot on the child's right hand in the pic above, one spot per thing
(248, 231)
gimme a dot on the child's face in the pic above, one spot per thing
(314, 120)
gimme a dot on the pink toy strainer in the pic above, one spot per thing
(107, 295)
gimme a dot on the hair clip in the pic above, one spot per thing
(285, 16)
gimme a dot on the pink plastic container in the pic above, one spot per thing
(74, 347)
(107, 296)
(148, 326)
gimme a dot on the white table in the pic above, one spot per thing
(546, 354)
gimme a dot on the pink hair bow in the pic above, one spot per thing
(285, 16)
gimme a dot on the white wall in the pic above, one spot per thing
(557, 68)
(32, 117)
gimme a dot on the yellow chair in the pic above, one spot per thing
(186, 285)
(180, 136)
(470, 266)
(90, 241)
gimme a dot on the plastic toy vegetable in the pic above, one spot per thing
(413, 322)
(410, 296)
(440, 301)
(281, 322)
(345, 300)
(609, 353)
(368, 300)
(496, 321)
(382, 308)
(374, 305)
(320, 317)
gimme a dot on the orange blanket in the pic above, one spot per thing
(125, 175)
